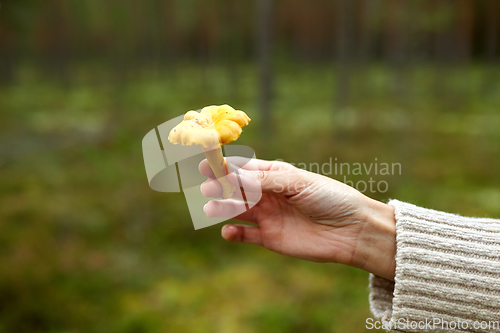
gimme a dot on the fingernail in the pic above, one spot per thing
(224, 231)
(247, 173)
(231, 167)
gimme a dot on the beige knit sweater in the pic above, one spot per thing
(447, 274)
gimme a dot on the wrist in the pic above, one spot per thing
(376, 252)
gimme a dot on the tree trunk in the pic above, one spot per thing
(493, 14)
(264, 48)
(344, 52)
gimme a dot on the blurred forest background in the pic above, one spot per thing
(87, 246)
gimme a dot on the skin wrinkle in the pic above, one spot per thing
(292, 199)
(363, 261)
(242, 233)
(281, 235)
(352, 254)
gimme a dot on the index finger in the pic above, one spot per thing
(236, 162)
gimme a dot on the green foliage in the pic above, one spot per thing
(86, 246)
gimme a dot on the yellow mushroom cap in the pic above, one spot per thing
(214, 125)
(195, 129)
(227, 121)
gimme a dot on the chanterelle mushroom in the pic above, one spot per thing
(212, 127)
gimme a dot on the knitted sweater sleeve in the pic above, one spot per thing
(447, 274)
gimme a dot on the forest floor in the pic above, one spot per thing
(87, 246)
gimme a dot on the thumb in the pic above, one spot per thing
(286, 182)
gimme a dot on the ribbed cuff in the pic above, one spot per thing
(447, 270)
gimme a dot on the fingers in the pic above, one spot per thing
(211, 188)
(231, 209)
(242, 233)
(224, 208)
(205, 169)
(286, 182)
(258, 176)
(238, 162)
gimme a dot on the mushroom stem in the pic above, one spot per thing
(216, 162)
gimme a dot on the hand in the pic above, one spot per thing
(305, 215)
